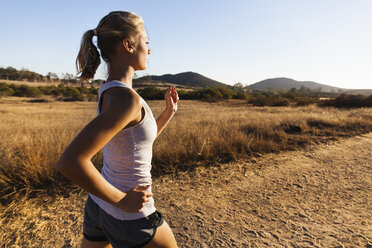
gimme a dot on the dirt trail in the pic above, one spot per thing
(321, 197)
(318, 197)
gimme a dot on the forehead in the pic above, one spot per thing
(143, 34)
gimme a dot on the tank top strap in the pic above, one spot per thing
(107, 85)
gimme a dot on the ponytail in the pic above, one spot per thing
(88, 58)
(112, 28)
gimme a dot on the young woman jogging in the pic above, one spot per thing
(120, 209)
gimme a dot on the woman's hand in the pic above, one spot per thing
(171, 99)
(135, 199)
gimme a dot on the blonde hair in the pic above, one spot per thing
(113, 28)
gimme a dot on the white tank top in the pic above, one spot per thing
(127, 158)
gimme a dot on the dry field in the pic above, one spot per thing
(29, 83)
(36, 201)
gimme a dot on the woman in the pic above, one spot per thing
(120, 209)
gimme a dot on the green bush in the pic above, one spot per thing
(72, 94)
(5, 90)
(68, 93)
(240, 95)
(83, 90)
(27, 91)
(151, 93)
(349, 101)
(93, 91)
(226, 93)
(268, 100)
(305, 101)
(210, 94)
(259, 101)
(280, 102)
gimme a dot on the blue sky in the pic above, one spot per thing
(326, 41)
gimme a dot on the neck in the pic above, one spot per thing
(121, 73)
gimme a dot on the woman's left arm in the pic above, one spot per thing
(171, 102)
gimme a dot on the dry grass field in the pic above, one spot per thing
(33, 135)
(30, 83)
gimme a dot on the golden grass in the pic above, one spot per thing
(33, 135)
(28, 83)
(227, 131)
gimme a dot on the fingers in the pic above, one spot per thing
(143, 190)
(136, 198)
(170, 90)
(173, 94)
(141, 187)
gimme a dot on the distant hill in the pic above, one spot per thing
(288, 83)
(185, 78)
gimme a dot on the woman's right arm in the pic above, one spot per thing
(122, 106)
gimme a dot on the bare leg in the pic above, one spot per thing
(89, 244)
(164, 238)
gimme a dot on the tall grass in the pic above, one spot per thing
(33, 135)
(205, 132)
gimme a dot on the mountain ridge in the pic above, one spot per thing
(288, 83)
(188, 78)
(193, 79)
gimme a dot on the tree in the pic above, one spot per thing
(293, 90)
(52, 75)
(238, 86)
(68, 77)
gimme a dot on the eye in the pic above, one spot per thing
(147, 42)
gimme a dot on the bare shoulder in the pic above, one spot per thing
(121, 100)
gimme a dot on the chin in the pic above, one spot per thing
(141, 68)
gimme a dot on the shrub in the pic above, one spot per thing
(305, 101)
(151, 93)
(280, 102)
(349, 101)
(72, 94)
(93, 91)
(27, 91)
(268, 100)
(210, 95)
(5, 90)
(83, 90)
(258, 100)
(240, 95)
(226, 93)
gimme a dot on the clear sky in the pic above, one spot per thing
(326, 41)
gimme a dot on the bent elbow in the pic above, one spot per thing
(60, 166)
(63, 164)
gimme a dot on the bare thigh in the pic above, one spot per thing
(89, 244)
(164, 238)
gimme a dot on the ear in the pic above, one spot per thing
(127, 45)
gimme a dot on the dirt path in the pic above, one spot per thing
(321, 197)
